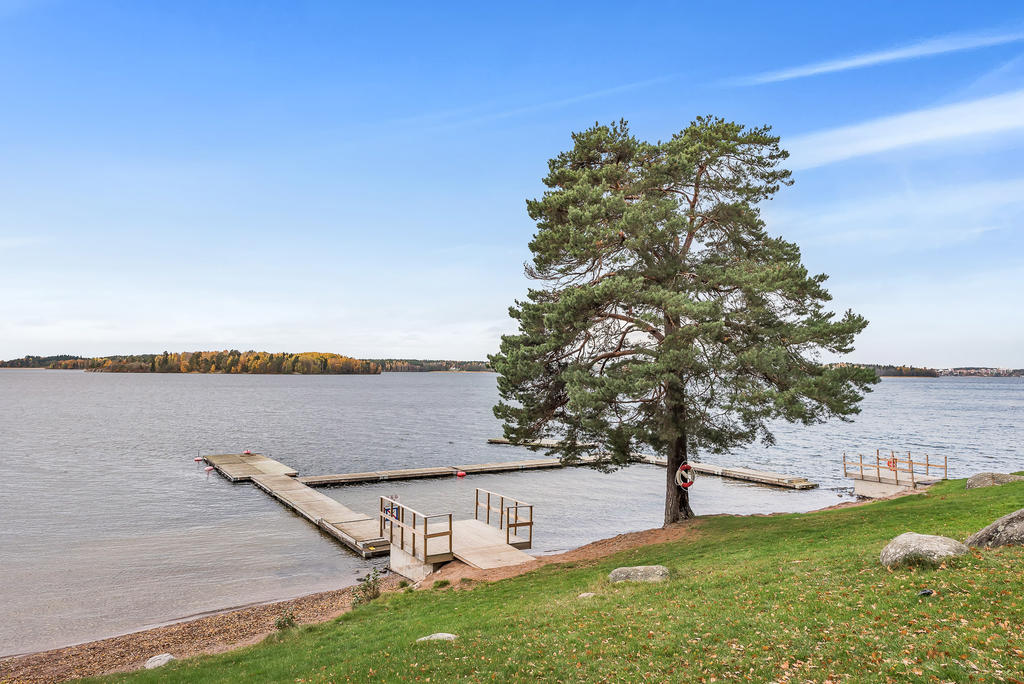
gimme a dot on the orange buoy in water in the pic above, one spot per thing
(247, 452)
(461, 473)
(208, 468)
(197, 459)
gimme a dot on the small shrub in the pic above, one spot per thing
(465, 580)
(368, 589)
(441, 584)
(403, 584)
(286, 621)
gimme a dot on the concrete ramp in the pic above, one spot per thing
(482, 546)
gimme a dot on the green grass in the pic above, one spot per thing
(783, 598)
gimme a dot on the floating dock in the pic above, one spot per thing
(358, 531)
(363, 533)
(419, 473)
(242, 467)
(730, 472)
(740, 473)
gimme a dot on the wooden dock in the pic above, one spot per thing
(242, 467)
(358, 531)
(538, 443)
(365, 534)
(730, 472)
(494, 538)
(419, 473)
(741, 473)
(883, 477)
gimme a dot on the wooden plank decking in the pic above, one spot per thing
(242, 467)
(745, 474)
(482, 546)
(377, 476)
(731, 472)
(358, 531)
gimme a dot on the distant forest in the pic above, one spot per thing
(427, 365)
(902, 371)
(234, 361)
(228, 361)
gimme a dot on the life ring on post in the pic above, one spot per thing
(891, 463)
(685, 476)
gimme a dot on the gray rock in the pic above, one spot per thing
(439, 636)
(639, 573)
(586, 594)
(991, 479)
(911, 548)
(159, 660)
(1003, 532)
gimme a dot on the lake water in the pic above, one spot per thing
(107, 525)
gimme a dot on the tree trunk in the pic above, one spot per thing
(677, 499)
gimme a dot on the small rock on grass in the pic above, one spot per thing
(439, 636)
(159, 660)
(911, 548)
(639, 573)
(586, 594)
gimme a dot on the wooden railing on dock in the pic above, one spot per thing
(513, 514)
(889, 469)
(412, 531)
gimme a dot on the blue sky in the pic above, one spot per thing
(351, 178)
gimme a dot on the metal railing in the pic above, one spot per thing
(889, 468)
(512, 514)
(412, 531)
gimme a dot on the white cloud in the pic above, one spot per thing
(911, 219)
(925, 48)
(535, 107)
(984, 116)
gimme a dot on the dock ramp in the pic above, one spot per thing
(420, 544)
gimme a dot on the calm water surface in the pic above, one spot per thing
(107, 525)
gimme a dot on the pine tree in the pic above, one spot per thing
(668, 318)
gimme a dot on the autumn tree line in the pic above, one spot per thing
(227, 361)
(234, 361)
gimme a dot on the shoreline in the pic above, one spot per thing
(233, 628)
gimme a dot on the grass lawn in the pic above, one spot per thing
(797, 598)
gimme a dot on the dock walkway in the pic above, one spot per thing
(473, 541)
(730, 472)
(358, 531)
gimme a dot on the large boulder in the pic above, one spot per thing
(1003, 532)
(991, 479)
(159, 661)
(911, 548)
(639, 573)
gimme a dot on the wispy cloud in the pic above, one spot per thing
(925, 48)
(14, 242)
(532, 108)
(918, 218)
(988, 115)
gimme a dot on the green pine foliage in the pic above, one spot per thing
(667, 317)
